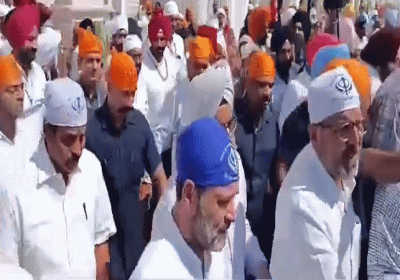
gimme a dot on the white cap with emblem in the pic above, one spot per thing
(330, 93)
(65, 103)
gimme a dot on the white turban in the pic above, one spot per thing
(330, 93)
(48, 47)
(65, 103)
(120, 22)
(132, 42)
(171, 9)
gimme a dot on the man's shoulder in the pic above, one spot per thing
(38, 70)
(89, 162)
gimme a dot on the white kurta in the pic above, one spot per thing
(295, 94)
(317, 234)
(168, 256)
(155, 96)
(56, 227)
(178, 46)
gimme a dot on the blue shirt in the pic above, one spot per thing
(124, 155)
(256, 147)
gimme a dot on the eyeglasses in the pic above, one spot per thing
(14, 89)
(345, 130)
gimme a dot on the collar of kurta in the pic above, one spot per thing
(170, 231)
(4, 138)
(45, 167)
(328, 188)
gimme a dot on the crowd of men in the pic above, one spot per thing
(188, 153)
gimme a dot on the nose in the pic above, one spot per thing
(231, 214)
(355, 137)
(77, 148)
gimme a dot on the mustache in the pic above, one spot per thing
(125, 109)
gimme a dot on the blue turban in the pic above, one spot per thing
(205, 156)
(325, 55)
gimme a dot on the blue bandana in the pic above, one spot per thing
(205, 156)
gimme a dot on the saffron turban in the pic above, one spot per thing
(259, 20)
(157, 23)
(20, 25)
(201, 49)
(122, 72)
(10, 71)
(260, 67)
(210, 33)
(361, 78)
(88, 43)
(357, 70)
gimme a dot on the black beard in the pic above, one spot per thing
(283, 70)
(26, 57)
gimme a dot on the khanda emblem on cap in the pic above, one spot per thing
(232, 160)
(77, 105)
(344, 85)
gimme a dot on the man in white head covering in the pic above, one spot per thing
(177, 46)
(48, 49)
(133, 46)
(61, 212)
(119, 32)
(5, 48)
(317, 233)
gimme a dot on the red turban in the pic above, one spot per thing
(20, 3)
(158, 22)
(20, 25)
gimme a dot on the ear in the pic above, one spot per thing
(189, 194)
(313, 131)
(79, 62)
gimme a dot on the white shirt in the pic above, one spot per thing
(34, 84)
(168, 256)
(295, 94)
(31, 123)
(9, 267)
(56, 227)
(317, 233)
(155, 96)
(16, 153)
(280, 87)
(178, 46)
(241, 251)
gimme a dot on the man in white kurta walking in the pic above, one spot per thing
(58, 204)
(317, 233)
(198, 222)
(157, 82)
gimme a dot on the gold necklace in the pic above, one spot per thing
(158, 69)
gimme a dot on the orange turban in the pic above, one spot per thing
(259, 20)
(358, 72)
(88, 43)
(260, 66)
(122, 72)
(10, 71)
(201, 49)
